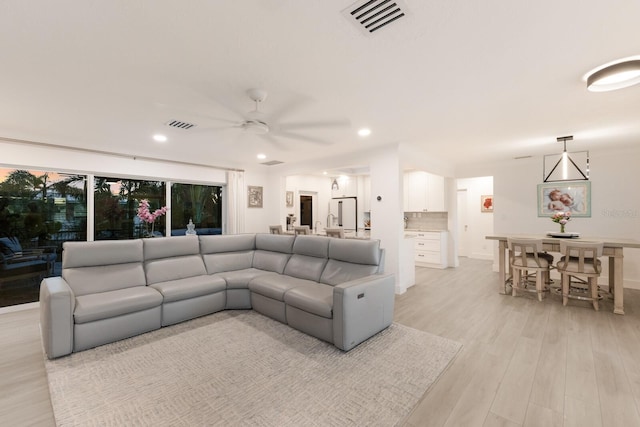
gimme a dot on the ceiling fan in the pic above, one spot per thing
(256, 122)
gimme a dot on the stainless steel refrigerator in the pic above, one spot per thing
(344, 211)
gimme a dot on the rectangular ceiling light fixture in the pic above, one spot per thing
(371, 15)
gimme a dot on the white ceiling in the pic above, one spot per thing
(462, 81)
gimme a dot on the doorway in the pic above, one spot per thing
(463, 233)
(306, 210)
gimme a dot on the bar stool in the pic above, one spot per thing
(580, 260)
(335, 232)
(275, 229)
(303, 229)
(526, 255)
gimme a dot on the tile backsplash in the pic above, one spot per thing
(427, 220)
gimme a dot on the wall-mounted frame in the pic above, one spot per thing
(486, 203)
(254, 196)
(289, 199)
(567, 196)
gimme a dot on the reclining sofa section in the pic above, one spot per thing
(332, 289)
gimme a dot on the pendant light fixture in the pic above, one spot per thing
(614, 75)
(566, 166)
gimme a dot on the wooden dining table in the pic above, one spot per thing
(613, 249)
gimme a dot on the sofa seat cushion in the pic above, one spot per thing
(190, 287)
(317, 299)
(106, 305)
(276, 285)
(239, 279)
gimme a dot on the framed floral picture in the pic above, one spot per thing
(289, 199)
(566, 196)
(486, 203)
(254, 195)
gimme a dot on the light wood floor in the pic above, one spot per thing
(523, 363)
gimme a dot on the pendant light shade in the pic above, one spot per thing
(618, 75)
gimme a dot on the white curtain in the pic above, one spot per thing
(236, 202)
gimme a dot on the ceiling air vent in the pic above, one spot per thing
(179, 124)
(272, 163)
(372, 15)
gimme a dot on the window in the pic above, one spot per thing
(39, 210)
(200, 203)
(116, 206)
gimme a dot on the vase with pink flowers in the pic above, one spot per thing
(148, 217)
(561, 218)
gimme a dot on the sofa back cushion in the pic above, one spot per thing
(272, 251)
(168, 247)
(227, 243)
(92, 267)
(172, 258)
(351, 259)
(227, 252)
(355, 251)
(309, 257)
(174, 268)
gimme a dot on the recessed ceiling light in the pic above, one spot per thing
(262, 156)
(159, 138)
(614, 75)
(364, 132)
(324, 173)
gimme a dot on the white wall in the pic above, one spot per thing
(387, 215)
(479, 224)
(321, 185)
(258, 220)
(56, 159)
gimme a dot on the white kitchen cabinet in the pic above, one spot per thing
(435, 193)
(430, 248)
(347, 187)
(423, 192)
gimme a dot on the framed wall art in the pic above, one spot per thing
(289, 199)
(568, 196)
(254, 196)
(486, 203)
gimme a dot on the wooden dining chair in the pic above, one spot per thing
(275, 229)
(579, 262)
(302, 229)
(526, 256)
(335, 232)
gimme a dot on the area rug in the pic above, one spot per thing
(237, 368)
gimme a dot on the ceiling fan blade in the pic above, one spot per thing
(296, 104)
(316, 125)
(304, 138)
(200, 129)
(275, 142)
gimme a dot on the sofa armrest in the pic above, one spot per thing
(57, 303)
(362, 308)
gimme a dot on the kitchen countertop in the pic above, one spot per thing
(424, 230)
(348, 234)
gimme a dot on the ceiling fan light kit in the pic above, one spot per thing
(256, 127)
(614, 75)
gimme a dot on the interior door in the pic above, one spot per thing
(463, 228)
(306, 210)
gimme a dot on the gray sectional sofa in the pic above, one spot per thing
(332, 289)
